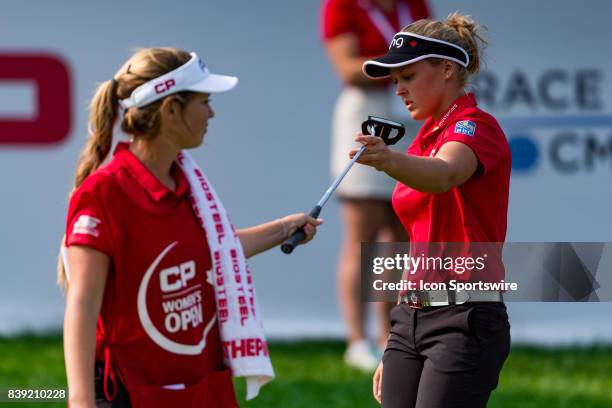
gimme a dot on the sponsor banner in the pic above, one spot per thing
(557, 118)
(50, 77)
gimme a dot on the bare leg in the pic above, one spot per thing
(393, 232)
(362, 221)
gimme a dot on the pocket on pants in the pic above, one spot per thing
(394, 314)
(488, 322)
(402, 327)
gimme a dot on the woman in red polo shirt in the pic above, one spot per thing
(147, 302)
(452, 186)
(354, 31)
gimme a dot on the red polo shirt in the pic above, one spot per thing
(158, 310)
(355, 17)
(475, 211)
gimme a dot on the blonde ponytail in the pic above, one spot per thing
(102, 117)
(469, 32)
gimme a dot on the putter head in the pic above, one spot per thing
(383, 128)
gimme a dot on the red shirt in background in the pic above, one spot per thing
(353, 16)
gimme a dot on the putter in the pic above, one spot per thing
(376, 126)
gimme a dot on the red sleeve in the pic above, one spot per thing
(86, 222)
(419, 9)
(478, 136)
(337, 18)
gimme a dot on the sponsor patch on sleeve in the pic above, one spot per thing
(465, 127)
(87, 225)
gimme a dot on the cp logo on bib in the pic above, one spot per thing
(173, 316)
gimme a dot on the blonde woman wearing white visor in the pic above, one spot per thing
(160, 305)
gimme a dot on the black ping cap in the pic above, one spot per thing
(408, 48)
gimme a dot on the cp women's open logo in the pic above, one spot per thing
(170, 306)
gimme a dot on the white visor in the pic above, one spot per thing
(191, 76)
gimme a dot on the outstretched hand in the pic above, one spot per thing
(376, 154)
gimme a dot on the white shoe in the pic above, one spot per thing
(359, 355)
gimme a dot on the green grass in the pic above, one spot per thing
(311, 374)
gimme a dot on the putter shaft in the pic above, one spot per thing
(338, 180)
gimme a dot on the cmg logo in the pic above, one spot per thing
(52, 117)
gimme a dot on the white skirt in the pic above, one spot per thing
(353, 107)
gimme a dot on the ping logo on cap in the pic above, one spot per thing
(397, 42)
(465, 127)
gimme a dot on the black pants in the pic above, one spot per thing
(444, 357)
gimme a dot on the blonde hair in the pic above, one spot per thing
(457, 29)
(144, 122)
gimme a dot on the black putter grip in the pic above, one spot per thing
(298, 236)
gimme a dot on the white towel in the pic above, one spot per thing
(240, 325)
